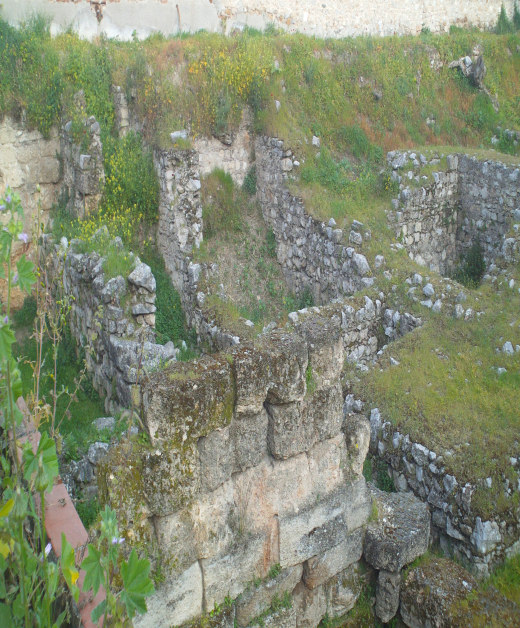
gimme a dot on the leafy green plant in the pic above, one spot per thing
(104, 565)
(249, 184)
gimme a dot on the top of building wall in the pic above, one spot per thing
(327, 18)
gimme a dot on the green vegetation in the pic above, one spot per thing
(238, 240)
(376, 470)
(506, 579)
(456, 399)
(472, 267)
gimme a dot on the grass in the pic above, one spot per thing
(446, 392)
(244, 248)
(506, 579)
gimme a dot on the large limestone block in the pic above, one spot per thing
(283, 618)
(256, 600)
(320, 527)
(401, 533)
(270, 490)
(437, 593)
(320, 569)
(387, 595)
(323, 336)
(251, 372)
(290, 430)
(227, 575)
(327, 463)
(357, 436)
(248, 434)
(174, 602)
(287, 359)
(188, 400)
(216, 458)
(343, 590)
(325, 411)
(212, 521)
(177, 542)
(310, 605)
(171, 477)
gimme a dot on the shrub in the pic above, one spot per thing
(223, 204)
(516, 17)
(249, 184)
(504, 24)
(472, 267)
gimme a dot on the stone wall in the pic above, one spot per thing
(461, 532)
(252, 484)
(310, 252)
(231, 153)
(112, 319)
(439, 215)
(83, 170)
(28, 160)
(335, 18)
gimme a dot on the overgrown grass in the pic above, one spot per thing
(238, 240)
(506, 579)
(446, 391)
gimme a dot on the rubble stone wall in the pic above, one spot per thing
(439, 216)
(478, 544)
(335, 18)
(113, 319)
(310, 252)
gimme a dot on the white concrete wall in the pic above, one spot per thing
(330, 18)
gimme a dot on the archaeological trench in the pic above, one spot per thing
(249, 495)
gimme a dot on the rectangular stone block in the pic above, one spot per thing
(325, 410)
(227, 574)
(257, 599)
(316, 529)
(291, 429)
(216, 459)
(250, 369)
(174, 602)
(320, 569)
(343, 591)
(327, 465)
(248, 434)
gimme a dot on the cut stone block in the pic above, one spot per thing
(257, 599)
(320, 569)
(290, 431)
(310, 606)
(318, 528)
(343, 591)
(400, 534)
(387, 595)
(180, 599)
(249, 438)
(216, 459)
(325, 411)
(226, 575)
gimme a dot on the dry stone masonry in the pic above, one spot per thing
(30, 165)
(113, 318)
(468, 201)
(310, 252)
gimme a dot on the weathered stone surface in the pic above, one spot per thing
(189, 400)
(105, 423)
(290, 430)
(175, 601)
(324, 410)
(96, 452)
(319, 569)
(248, 434)
(400, 534)
(327, 465)
(287, 357)
(343, 591)
(357, 435)
(485, 536)
(318, 528)
(310, 605)
(256, 600)
(216, 458)
(228, 573)
(435, 593)
(251, 372)
(387, 595)
(177, 541)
